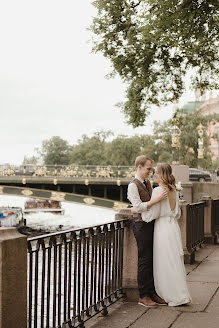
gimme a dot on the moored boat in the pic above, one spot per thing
(11, 216)
(42, 205)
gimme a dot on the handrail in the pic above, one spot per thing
(195, 232)
(75, 171)
(74, 274)
(35, 238)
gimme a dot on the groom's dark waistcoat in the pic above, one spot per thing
(145, 195)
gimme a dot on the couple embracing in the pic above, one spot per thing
(161, 270)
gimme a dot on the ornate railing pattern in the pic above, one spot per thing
(215, 215)
(74, 171)
(195, 229)
(74, 275)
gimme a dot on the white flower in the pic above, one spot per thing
(179, 186)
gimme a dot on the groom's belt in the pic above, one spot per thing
(137, 217)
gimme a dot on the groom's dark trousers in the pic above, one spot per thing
(144, 237)
(144, 233)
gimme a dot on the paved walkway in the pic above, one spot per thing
(203, 281)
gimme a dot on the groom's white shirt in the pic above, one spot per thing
(134, 197)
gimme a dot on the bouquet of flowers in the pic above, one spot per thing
(179, 188)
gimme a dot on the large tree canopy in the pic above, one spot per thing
(153, 43)
(55, 151)
(122, 150)
(90, 150)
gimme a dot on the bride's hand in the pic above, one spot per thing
(163, 194)
(133, 210)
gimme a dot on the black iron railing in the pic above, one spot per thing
(195, 228)
(74, 275)
(215, 215)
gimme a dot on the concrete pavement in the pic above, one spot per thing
(203, 281)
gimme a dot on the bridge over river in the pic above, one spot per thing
(104, 186)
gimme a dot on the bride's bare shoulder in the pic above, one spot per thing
(157, 189)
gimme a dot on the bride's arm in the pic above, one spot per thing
(156, 198)
(138, 205)
(154, 212)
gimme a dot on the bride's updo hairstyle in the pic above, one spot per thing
(167, 178)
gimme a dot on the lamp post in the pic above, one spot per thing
(175, 135)
(200, 129)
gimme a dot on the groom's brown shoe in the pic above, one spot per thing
(158, 300)
(147, 302)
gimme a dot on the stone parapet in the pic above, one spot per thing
(210, 238)
(187, 191)
(189, 253)
(130, 257)
(124, 213)
(201, 189)
(181, 172)
(13, 279)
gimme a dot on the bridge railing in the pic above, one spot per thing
(199, 224)
(75, 274)
(75, 171)
(195, 225)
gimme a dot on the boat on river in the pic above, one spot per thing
(42, 205)
(11, 216)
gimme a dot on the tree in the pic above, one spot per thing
(90, 150)
(30, 160)
(55, 151)
(149, 147)
(162, 137)
(153, 43)
(123, 150)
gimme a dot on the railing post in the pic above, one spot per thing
(130, 258)
(208, 221)
(189, 253)
(13, 279)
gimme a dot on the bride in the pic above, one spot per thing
(168, 260)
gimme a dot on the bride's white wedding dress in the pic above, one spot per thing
(168, 261)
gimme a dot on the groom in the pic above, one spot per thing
(139, 194)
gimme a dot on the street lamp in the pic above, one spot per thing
(200, 129)
(175, 135)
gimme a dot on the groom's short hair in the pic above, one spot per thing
(142, 159)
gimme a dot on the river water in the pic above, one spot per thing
(75, 216)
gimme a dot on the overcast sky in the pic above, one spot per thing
(50, 82)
